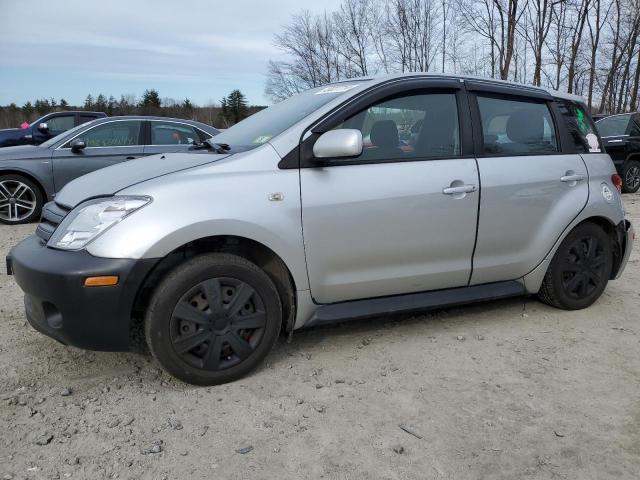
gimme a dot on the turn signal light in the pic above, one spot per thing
(106, 281)
(617, 182)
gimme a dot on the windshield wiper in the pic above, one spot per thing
(209, 145)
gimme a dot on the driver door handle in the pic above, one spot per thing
(572, 178)
(460, 189)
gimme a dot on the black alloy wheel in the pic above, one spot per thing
(213, 319)
(631, 177)
(579, 270)
(583, 267)
(218, 323)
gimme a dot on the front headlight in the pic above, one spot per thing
(90, 219)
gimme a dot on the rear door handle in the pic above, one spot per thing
(459, 189)
(572, 178)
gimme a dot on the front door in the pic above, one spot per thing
(531, 191)
(106, 144)
(401, 217)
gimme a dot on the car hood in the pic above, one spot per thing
(23, 152)
(111, 180)
(10, 132)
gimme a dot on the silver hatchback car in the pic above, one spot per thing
(351, 200)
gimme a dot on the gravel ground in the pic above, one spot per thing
(506, 390)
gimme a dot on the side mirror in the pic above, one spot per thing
(43, 127)
(342, 143)
(78, 145)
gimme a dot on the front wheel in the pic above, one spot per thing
(631, 177)
(20, 200)
(213, 319)
(580, 269)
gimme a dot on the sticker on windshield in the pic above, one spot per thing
(262, 139)
(592, 140)
(336, 89)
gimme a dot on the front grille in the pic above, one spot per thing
(52, 215)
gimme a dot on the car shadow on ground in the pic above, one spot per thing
(96, 367)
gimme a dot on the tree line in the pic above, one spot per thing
(587, 47)
(231, 109)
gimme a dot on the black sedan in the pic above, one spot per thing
(621, 137)
(31, 175)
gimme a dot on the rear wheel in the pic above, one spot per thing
(213, 319)
(580, 269)
(631, 177)
(20, 200)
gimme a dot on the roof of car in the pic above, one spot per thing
(516, 85)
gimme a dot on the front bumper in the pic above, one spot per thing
(59, 305)
(626, 236)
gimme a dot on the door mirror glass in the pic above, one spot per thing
(43, 127)
(342, 143)
(77, 145)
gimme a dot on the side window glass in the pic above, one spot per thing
(171, 133)
(613, 126)
(580, 126)
(516, 127)
(634, 126)
(409, 127)
(112, 134)
(60, 124)
(86, 118)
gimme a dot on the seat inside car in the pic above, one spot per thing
(438, 134)
(525, 129)
(384, 136)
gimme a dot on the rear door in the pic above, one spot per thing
(614, 131)
(531, 190)
(108, 143)
(388, 222)
(167, 136)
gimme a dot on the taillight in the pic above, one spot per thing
(617, 182)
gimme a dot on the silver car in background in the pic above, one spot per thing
(351, 200)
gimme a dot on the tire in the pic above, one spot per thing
(631, 177)
(201, 341)
(580, 269)
(21, 200)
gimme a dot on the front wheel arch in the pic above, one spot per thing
(251, 250)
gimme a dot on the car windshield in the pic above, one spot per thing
(261, 127)
(54, 140)
(613, 126)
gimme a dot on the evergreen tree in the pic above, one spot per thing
(101, 103)
(234, 107)
(112, 104)
(42, 106)
(88, 102)
(150, 100)
(27, 110)
(64, 104)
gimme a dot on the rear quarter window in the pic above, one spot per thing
(580, 126)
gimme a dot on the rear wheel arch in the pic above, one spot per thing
(611, 230)
(256, 252)
(580, 268)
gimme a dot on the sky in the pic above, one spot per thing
(193, 49)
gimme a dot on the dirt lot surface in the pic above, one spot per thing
(511, 389)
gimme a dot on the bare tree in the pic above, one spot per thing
(540, 14)
(590, 46)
